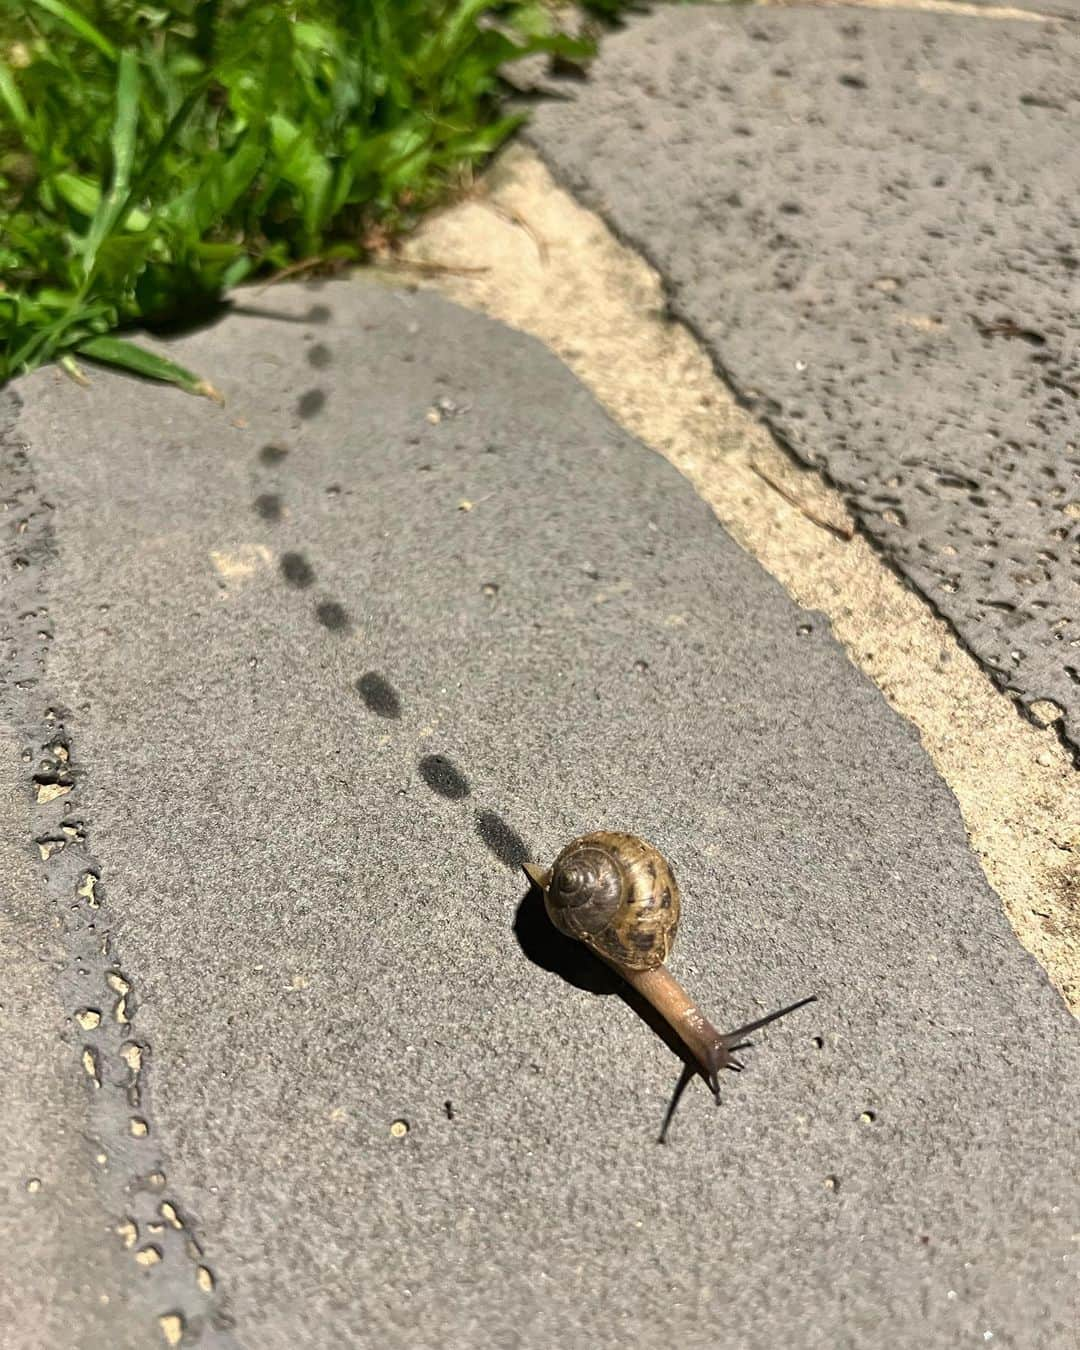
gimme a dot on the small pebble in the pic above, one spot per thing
(172, 1328)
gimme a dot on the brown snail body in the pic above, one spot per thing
(618, 895)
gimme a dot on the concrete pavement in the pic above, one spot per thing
(327, 664)
(292, 687)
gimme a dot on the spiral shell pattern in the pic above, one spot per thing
(618, 895)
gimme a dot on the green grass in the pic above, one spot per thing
(152, 155)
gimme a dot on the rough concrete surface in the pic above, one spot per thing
(64, 1279)
(331, 662)
(871, 220)
(522, 250)
(99, 1250)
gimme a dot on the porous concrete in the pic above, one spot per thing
(870, 218)
(66, 1278)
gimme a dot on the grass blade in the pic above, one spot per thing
(122, 143)
(166, 140)
(79, 23)
(113, 351)
(14, 100)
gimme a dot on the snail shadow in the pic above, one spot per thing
(553, 951)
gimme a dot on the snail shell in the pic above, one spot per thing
(618, 895)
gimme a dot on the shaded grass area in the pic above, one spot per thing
(152, 155)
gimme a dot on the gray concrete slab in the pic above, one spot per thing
(871, 219)
(98, 1250)
(331, 663)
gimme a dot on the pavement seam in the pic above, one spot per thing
(125, 1162)
(602, 309)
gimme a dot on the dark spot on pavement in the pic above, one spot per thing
(379, 694)
(311, 403)
(268, 505)
(297, 571)
(272, 454)
(507, 845)
(318, 314)
(443, 777)
(319, 356)
(332, 615)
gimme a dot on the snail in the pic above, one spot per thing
(618, 895)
